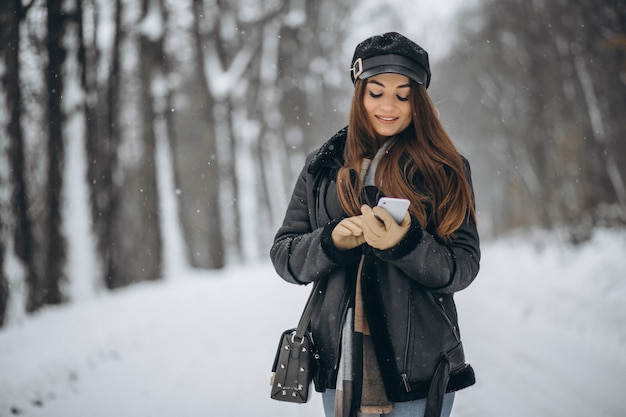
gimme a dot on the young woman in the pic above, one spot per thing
(386, 325)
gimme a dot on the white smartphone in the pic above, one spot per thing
(397, 207)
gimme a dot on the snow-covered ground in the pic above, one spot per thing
(543, 326)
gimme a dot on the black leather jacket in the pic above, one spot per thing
(407, 289)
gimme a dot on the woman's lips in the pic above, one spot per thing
(386, 120)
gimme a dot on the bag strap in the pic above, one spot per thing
(305, 319)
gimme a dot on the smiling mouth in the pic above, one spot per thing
(387, 119)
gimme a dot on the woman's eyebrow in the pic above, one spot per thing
(383, 85)
(376, 82)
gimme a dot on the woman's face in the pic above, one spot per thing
(387, 103)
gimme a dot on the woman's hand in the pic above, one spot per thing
(383, 234)
(348, 233)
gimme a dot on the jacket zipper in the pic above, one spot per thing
(455, 331)
(339, 335)
(404, 376)
(343, 319)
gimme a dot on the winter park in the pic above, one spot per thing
(149, 151)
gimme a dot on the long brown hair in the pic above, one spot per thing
(424, 148)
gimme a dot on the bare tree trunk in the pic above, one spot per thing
(4, 285)
(109, 141)
(103, 138)
(226, 45)
(214, 233)
(151, 52)
(12, 12)
(55, 241)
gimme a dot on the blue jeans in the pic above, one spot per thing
(408, 409)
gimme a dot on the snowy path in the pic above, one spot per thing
(543, 329)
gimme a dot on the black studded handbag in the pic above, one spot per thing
(296, 359)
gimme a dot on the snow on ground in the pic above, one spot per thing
(543, 326)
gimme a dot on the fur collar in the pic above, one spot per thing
(330, 154)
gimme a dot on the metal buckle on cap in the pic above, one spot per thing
(357, 68)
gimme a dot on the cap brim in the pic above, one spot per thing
(420, 78)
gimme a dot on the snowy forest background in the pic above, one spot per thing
(141, 136)
(148, 149)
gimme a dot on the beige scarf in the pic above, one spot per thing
(356, 329)
(373, 397)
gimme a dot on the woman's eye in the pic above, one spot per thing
(373, 95)
(403, 98)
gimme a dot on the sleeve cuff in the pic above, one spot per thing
(338, 256)
(409, 242)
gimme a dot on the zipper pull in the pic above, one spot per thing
(405, 381)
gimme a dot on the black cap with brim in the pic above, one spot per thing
(365, 68)
(390, 52)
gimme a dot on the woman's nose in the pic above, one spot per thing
(387, 102)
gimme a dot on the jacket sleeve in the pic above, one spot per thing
(302, 253)
(443, 267)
